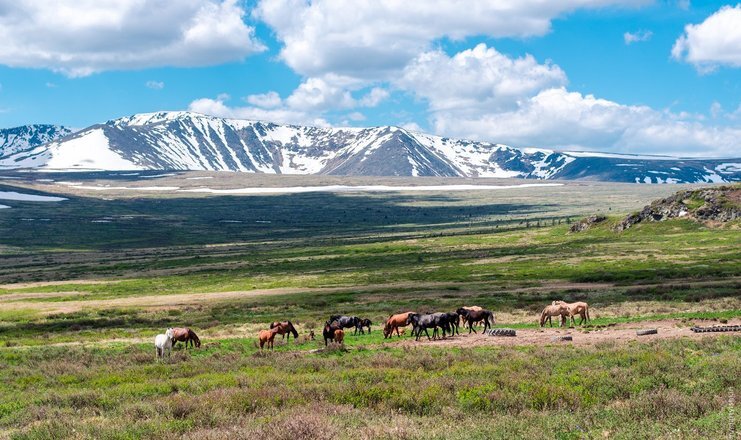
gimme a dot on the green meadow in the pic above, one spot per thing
(87, 283)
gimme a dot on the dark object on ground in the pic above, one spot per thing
(587, 222)
(721, 204)
(717, 328)
(650, 331)
(562, 338)
(500, 332)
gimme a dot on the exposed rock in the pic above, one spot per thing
(587, 222)
(721, 204)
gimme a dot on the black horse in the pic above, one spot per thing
(329, 329)
(431, 321)
(363, 323)
(345, 321)
(471, 316)
(453, 319)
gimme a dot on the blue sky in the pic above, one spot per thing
(563, 75)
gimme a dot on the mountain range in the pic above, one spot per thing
(191, 141)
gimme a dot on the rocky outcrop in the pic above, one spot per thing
(587, 222)
(721, 204)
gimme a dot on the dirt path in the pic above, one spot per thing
(618, 334)
(614, 334)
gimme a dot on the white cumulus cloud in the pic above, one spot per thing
(82, 37)
(714, 42)
(373, 39)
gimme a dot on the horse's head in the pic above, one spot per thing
(292, 329)
(462, 312)
(169, 333)
(413, 319)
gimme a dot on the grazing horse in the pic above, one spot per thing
(339, 336)
(185, 335)
(329, 331)
(267, 336)
(363, 323)
(578, 308)
(394, 322)
(433, 321)
(285, 328)
(554, 310)
(163, 344)
(472, 316)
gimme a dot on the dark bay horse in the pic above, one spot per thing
(185, 335)
(329, 331)
(472, 316)
(285, 328)
(363, 323)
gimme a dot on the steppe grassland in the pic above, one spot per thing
(420, 251)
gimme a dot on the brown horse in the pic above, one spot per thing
(394, 322)
(554, 310)
(578, 308)
(285, 328)
(267, 336)
(339, 336)
(185, 335)
(462, 319)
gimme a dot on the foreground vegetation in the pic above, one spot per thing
(672, 389)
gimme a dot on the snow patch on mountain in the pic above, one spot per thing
(190, 141)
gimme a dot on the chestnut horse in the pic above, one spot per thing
(285, 328)
(185, 335)
(394, 322)
(578, 308)
(339, 335)
(267, 336)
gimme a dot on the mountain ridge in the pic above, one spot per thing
(191, 141)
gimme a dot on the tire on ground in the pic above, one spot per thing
(650, 331)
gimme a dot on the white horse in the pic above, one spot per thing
(163, 343)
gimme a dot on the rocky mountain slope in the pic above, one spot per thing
(190, 141)
(15, 141)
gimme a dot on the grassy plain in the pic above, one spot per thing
(89, 281)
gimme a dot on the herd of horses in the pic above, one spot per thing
(441, 324)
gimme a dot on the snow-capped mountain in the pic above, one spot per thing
(190, 141)
(19, 139)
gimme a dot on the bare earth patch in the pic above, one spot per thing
(618, 334)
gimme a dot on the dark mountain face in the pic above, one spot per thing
(19, 139)
(189, 141)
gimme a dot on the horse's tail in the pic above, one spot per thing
(587, 311)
